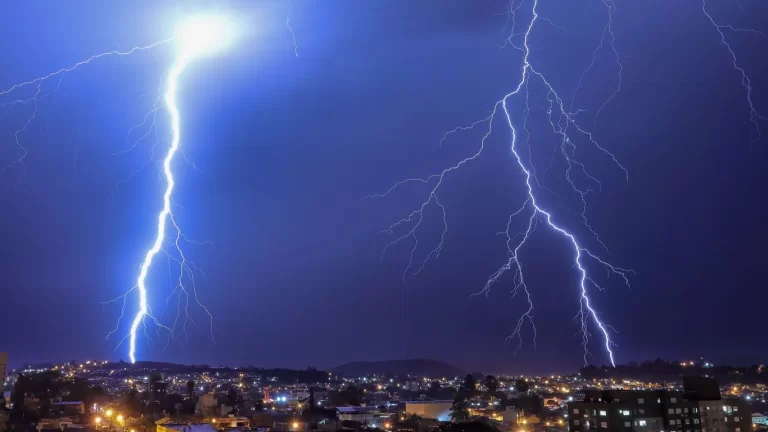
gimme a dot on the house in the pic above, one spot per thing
(361, 414)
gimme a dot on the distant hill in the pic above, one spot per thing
(416, 367)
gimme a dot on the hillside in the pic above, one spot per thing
(415, 367)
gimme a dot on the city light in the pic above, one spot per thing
(98, 420)
(108, 414)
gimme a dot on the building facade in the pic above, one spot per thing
(3, 369)
(657, 411)
(438, 410)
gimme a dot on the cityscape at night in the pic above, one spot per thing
(383, 216)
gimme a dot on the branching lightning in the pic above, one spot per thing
(754, 116)
(195, 37)
(564, 124)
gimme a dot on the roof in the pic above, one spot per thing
(421, 402)
(355, 409)
(196, 427)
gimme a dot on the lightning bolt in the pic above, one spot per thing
(565, 125)
(37, 97)
(290, 29)
(165, 213)
(754, 115)
(195, 37)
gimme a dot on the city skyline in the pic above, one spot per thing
(278, 157)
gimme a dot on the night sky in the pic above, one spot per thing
(287, 148)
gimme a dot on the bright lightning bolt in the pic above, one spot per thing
(564, 124)
(195, 37)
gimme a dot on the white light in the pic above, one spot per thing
(203, 34)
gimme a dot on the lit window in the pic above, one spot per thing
(576, 411)
(695, 421)
(603, 413)
(671, 410)
(658, 400)
(695, 410)
(643, 423)
(673, 400)
(738, 429)
(605, 425)
(687, 421)
(625, 412)
(735, 409)
(678, 411)
(685, 410)
(640, 400)
(576, 422)
(735, 419)
(642, 411)
(627, 424)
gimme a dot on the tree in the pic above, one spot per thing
(469, 386)
(131, 403)
(191, 389)
(19, 390)
(460, 407)
(350, 395)
(522, 386)
(491, 385)
(232, 397)
(434, 389)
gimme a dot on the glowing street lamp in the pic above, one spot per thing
(108, 414)
(98, 420)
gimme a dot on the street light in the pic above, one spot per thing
(98, 420)
(108, 413)
(295, 425)
(120, 418)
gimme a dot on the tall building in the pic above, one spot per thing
(696, 409)
(3, 369)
